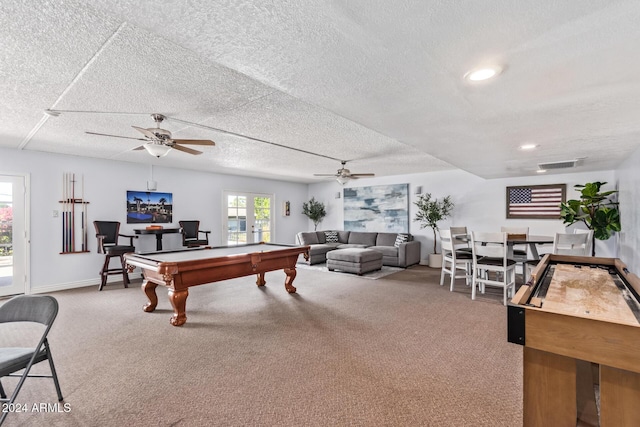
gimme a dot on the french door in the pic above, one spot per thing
(13, 234)
(248, 217)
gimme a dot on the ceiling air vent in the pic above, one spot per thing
(564, 164)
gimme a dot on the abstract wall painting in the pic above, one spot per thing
(380, 208)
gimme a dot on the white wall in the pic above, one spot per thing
(196, 195)
(628, 175)
(480, 204)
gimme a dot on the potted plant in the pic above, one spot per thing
(315, 211)
(430, 212)
(595, 209)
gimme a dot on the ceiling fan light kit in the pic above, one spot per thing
(342, 179)
(157, 149)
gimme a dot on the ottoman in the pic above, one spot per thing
(354, 260)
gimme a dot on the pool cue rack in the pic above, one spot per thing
(74, 215)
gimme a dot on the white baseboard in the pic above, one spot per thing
(72, 285)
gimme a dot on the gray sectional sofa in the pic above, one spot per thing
(402, 254)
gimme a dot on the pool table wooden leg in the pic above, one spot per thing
(260, 279)
(149, 289)
(178, 300)
(288, 282)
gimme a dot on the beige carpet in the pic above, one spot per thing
(344, 351)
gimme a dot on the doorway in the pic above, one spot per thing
(247, 217)
(13, 234)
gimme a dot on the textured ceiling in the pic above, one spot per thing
(374, 82)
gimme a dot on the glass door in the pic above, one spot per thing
(247, 217)
(13, 240)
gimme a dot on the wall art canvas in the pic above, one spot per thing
(535, 201)
(381, 208)
(149, 207)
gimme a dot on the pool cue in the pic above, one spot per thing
(73, 212)
(63, 211)
(66, 212)
(84, 219)
(69, 212)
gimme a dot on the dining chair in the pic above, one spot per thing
(24, 311)
(577, 244)
(460, 244)
(572, 244)
(453, 261)
(517, 232)
(590, 243)
(490, 256)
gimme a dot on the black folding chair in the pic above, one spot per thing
(35, 309)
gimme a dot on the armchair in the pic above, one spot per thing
(108, 233)
(191, 232)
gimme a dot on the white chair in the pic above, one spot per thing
(590, 239)
(490, 256)
(568, 244)
(521, 250)
(459, 244)
(453, 261)
(572, 244)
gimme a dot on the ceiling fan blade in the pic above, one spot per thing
(115, 136)
(361, 175)
(185, 149)
(325, 174)
(146, 132)
(141, 147)
(194, 141)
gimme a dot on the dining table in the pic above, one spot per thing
(532, 240)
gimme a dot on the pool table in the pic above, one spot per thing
(179, 270)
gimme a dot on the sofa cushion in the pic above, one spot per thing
(354, 255)
(343, 236)
(362, 238)
(308, 238)
(386, 239)
(321, 248)
(402, 238)
(388, 251)
(347, 246)
(331, 236)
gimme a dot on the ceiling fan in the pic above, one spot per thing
(345, 174)
(158, 142)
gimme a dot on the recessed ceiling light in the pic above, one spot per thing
(541, 170)
(481, 74)
(528, 146)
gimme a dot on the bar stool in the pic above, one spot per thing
(107, 233)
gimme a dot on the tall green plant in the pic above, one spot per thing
(431, 211)
(598, 211)
(314, 210)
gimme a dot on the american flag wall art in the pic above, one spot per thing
(535, 201)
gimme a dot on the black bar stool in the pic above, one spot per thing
(108, 233)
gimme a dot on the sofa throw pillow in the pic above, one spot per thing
(402, 238)
(331, 236)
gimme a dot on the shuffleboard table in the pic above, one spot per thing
(578, 319)
(179, 270)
